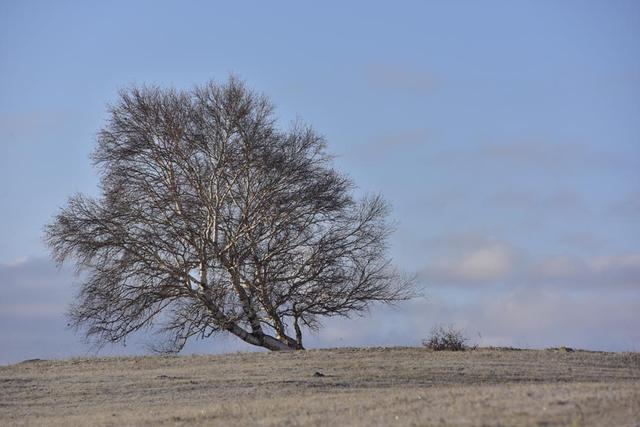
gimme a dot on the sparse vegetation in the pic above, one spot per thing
(562, 349)
(447, 338)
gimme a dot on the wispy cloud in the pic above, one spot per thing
(553, 201)
(35, 295)
(467, 259)
(400, 139)
(581, 240)
(556, 155)
(473, 261)
(390, 143)
(627, 206)
(28, 123)
(526, 318)
(400, 77)
(537, 314)
(596, 272)
(15, 262)
(515, 153)
(33, 324)
(490, 263)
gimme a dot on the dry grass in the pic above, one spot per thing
(394, 386)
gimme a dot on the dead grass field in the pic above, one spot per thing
(369, 386)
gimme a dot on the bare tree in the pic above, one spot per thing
(212, 219)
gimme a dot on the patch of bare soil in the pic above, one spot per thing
(360, 387)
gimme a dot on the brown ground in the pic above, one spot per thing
(371, 386)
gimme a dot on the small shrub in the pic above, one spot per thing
(446, 338)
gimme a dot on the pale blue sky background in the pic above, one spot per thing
(506, 135)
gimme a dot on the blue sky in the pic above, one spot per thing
(505, 134)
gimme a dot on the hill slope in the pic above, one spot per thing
(370, 386)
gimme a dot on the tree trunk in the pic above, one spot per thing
(296, 326)
(257, 338)
(262, 340)
(275, 345)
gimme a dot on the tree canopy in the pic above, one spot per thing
(213, 219)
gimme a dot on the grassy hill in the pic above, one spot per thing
(346, 386)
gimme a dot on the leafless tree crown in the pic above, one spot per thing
(212, 219)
